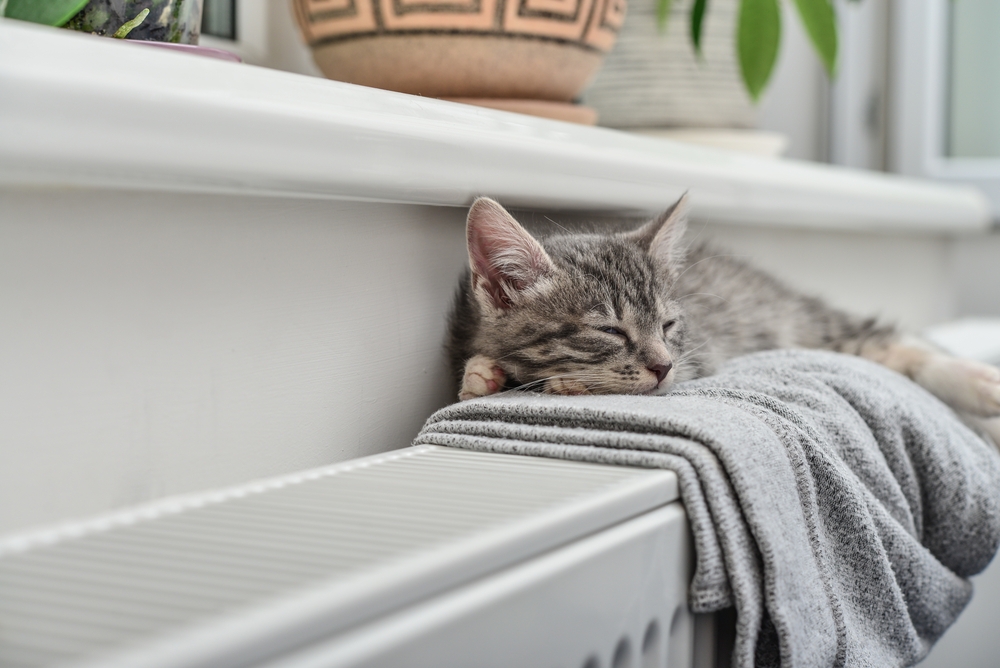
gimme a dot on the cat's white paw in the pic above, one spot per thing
(482, 377)
(965, 385)
(568, 386)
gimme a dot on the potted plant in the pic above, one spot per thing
(705, 66)
(493, 52)
(501, 52)
(170, 21)
(758, 35)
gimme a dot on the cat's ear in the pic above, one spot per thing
(661, 237)
(505, 259)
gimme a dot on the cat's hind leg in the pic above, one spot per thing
(482, 377)
(965, 385)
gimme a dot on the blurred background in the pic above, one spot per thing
(217, 335)
(915, 93)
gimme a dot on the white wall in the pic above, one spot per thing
(268, 37)
(153, 344)
(904, 278)
(859, 101)
(795, 102)
(286, 50)
(977, 275)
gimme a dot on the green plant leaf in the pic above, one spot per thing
(697, 19)
(47, 12)
(663, 13)
(129, 26)
(821, 24)
(757, 37)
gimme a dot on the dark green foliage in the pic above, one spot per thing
(663, 13)
(697, 19)
(821, 24)
(46, 12)
(757, 38)
(758, 34)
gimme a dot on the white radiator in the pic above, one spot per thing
(421, 557)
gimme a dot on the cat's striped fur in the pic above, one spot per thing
(634, 312)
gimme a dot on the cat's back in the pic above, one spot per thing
(733, 308)
(708, 267)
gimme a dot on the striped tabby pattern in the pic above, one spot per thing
(633, 312)
(599, 313)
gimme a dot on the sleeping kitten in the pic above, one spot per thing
(632, 313)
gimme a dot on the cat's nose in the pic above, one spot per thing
(661, 371)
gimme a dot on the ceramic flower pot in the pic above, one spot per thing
(545, 50)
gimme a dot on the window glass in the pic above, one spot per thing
(218, 19)
(974, 81)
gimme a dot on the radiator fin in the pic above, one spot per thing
(116, 584)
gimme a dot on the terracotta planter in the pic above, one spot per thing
(507, 49)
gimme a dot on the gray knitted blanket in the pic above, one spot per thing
(837, 505)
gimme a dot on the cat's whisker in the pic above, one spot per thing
(705, 294)
(592, 380)
(697, 237)
(688, 353)
(687, 358)
(704, 259)
(556, 224)
(540, 381)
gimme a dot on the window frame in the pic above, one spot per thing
(919, 109)
(251, 43)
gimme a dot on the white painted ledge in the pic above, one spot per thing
(77, 110)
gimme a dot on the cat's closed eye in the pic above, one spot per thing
(668, 324)
(613, 331)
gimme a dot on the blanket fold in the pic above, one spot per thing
(837, 505)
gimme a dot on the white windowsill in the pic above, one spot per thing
(81, 111)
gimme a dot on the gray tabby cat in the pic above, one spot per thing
(632, 313)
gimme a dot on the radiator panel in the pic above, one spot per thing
(622, 591)
(231, 577)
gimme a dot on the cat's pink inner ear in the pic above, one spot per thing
(505, 259)
(662, 235)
